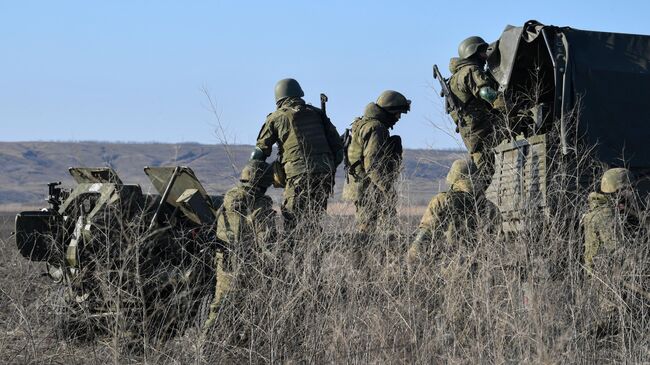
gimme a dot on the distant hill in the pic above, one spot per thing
(28, 166)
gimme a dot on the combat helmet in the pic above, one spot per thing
(470, 46)
(615, 180)
(393, 102)
(257, 173)
(287, 88)
(461, 169)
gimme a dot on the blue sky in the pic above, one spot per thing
(135, 70)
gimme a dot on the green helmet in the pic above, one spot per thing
(462, 169)
(393, 101)
(615, 180)
(257, 173)
(470, 46)
(287, 88)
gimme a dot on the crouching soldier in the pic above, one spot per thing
(447, 241)
(245, 227)
(615, 250)
(454, 217)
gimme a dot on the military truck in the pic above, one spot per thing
(123, 258)
(572, 94)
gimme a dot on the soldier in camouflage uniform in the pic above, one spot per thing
(614, 258)
(610, 221)
(455, 216)
(453, 225)
(245, 228)
(374, 159)
(476, 91)
(309, 149)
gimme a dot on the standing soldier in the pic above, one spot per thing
(373, 159)
(309, 150)
(476, 91)
(245, 226)
(457, 214)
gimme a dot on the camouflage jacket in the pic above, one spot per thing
(605, 230)
(372, 152)
(247, 221)
(615, 255)
(307, 140)
(475, 121)
(455, 217)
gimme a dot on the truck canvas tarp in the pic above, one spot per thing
(606, 74)
(571, 94)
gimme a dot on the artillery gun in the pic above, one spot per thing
(142, 261)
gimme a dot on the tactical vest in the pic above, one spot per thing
(457, 86)
(306, 144)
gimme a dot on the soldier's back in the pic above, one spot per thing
(303, 139)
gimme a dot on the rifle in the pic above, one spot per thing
(323, 103)
(451, 102)
(323, 107)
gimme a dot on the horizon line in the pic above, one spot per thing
(450, 149)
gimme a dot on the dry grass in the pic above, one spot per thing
(332, 300)
(485, 299)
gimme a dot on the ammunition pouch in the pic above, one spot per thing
(279, 176)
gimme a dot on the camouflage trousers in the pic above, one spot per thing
(224, 279)
(479, 143)
(373, 206)
(484, 162)
(305, 200)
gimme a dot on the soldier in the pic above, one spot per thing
(309, 150)
(610, 220)
(611, 227)
(245, 226)
(374, 158)
(446, 239)
(476, 91)
(457, 214)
